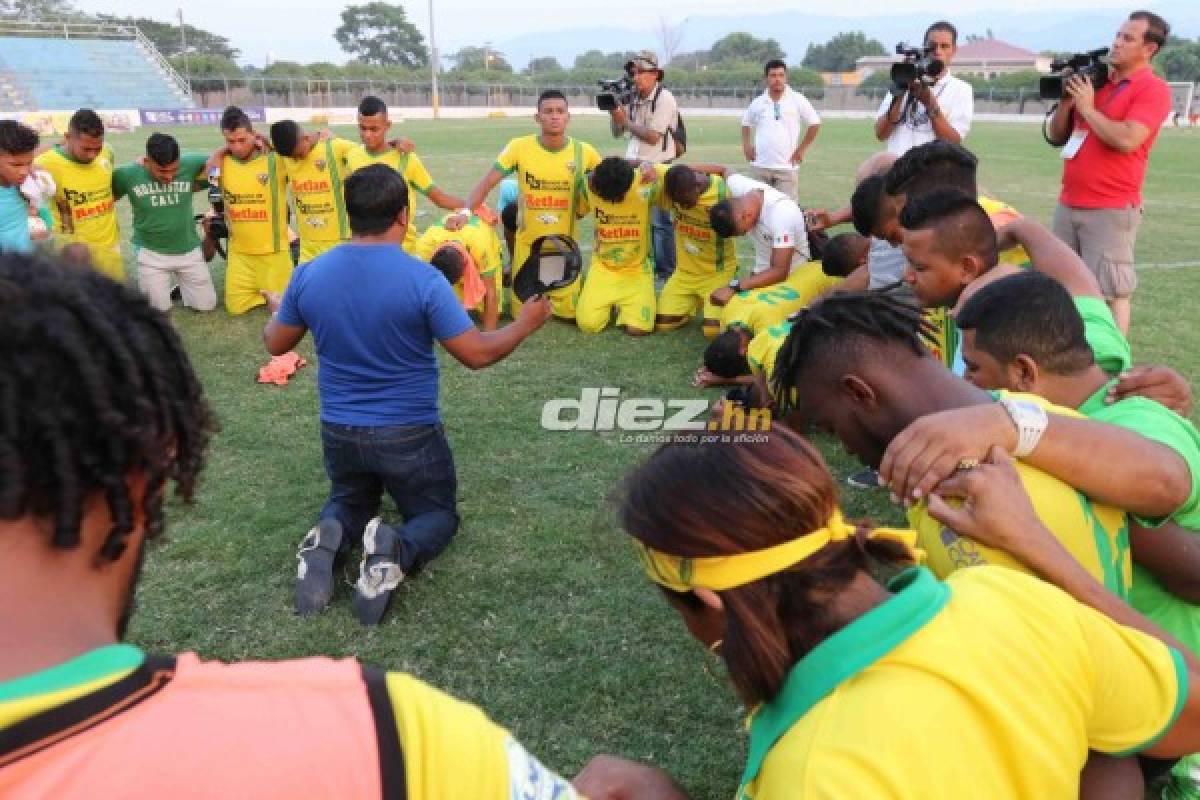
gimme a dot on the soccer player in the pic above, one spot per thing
(774, 223)
(18, 144)
(852, 681)
(861, 369)
(102, 412)
(314, 166)
(373, 127)
(84, 211)
(473, 248)
(704, 261)
(550, 167)
(164, 230)
(253, 182)
(620, 278)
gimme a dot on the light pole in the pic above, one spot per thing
(187, 72)
(433, 64)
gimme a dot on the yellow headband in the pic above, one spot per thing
(682, 574)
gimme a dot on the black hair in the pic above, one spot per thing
(508, 217)
(962, 226)
(1032, 314)
(375, 197)
(679, 178)
(720, 217)
(774, 63)
(724, 356)
(841, 255)
(285, 136)
(371, 105)
(612, 178)
(233, 118)
(96, 387)
(449, 261)
(87, 122)
(866, 205)
(1157, 29)
(162, 149)
(550, 94)
(836, 330)
(934, 165)
(17, 139)
(944, 26)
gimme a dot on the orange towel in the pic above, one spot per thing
(280, 368)
(473, 289)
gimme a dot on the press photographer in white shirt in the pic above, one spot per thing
(941, 111)
(771, 130)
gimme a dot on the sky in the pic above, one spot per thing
(305, 32)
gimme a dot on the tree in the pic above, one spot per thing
(1180, 62)
(39, 10)
(744, 48)
(165, 37)
(378, 33)
(206, 65)
(841, 53)
(669, 38)
(480, 59)
(544, 65)
(595, 59)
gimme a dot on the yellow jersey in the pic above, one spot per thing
(991, 684)
(698, 248)
(763, 348)
(622, 229)
(410, 167)
(255, 204)
(550, 187)
(85, 191)
(1001, 214)
(316, 185)
(481, 242)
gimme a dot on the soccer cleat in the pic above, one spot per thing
(867, 479)
(314, 575)
(379, 572)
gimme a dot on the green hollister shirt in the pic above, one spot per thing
(162, 212)
(1162, 425)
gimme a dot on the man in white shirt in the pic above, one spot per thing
(771, 130)
(772, 221)
(923, 112)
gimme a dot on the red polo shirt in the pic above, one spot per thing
(1101, 177)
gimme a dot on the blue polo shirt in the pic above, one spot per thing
(374, 312)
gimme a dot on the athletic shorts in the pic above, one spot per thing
(686, 293)
(630, 293)
(247, 275)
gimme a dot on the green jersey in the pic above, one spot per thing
(162, 212)
(1109, 345)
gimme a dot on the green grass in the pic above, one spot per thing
(538, 611)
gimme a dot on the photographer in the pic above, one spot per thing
(650, 122)
(1106, 134)
(941, 110)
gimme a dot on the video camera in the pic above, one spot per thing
(616, 93)
(1090, 65)
(218, 226)
(918, 65)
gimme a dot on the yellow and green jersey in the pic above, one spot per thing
(85, 208)
(763, 348)
(479, 239)
(623, 229)
(698, 248)
(410, 167)
(316, 185)
(255, 203)
(1001, 214)
(1027, 680)
(550, 185)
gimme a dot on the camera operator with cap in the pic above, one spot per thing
(1106, 134)
(650, 122)
(926, 112)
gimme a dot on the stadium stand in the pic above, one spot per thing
(63, 67)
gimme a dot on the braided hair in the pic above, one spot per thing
(96, 386)
(832, 331)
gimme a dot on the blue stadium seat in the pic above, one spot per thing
(64, 74)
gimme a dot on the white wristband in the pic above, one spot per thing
(1030, 420)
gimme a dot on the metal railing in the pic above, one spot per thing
(164, 65)
(65, 28)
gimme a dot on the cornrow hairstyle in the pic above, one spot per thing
(96, 387)
(837, 329)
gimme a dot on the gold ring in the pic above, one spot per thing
(968, 463)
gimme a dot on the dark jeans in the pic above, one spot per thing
(413, 463)
(664, 243)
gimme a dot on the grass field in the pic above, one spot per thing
(538, 611)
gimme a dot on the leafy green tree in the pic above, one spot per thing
(1179, 62)
(165, 37)
(545, 65)
(380, 33)
(841, 53)
(740, 47)
(206, 65)
(480, 59)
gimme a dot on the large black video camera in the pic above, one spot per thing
(918, 65)
(1090, 65)
(218, 226)
(616, 93)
